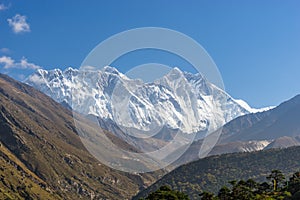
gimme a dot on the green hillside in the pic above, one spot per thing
(211, 173)
(17, 182)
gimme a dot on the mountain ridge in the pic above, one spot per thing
(275, 128)
(163, 102)
(41, 134)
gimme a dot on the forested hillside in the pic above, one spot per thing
(212, 173)
(277, 187)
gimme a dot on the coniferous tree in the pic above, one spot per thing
(277, 179)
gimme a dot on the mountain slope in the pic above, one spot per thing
(280, 121)
(211, 173)
(283, 142)
(17, 182)
(275, 128)
(179, 100)
(41, 134)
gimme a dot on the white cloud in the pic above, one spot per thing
(26, 65)
(5, 50)
(3, 7)
(9, 63)
(18, 24)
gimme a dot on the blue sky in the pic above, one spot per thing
(255, 44)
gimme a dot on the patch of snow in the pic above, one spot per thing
(178, 100)
(252, 110)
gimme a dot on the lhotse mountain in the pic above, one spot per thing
(179, 100)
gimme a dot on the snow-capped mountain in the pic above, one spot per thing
(178, 100)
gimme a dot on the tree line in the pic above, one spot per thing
(276, 188)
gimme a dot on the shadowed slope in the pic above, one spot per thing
(42, 135)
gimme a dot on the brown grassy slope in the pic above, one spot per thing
(17, 182)
(41, 133)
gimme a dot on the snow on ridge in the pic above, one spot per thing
(245, 105)
(178, 100)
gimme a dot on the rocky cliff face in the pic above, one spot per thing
(42, 138)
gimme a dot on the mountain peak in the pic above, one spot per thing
(41, 72)
(70, 72)
(173, 93)
(189, 76)
(110, 69)
(175, 70)
(174, 73)
(70, 69)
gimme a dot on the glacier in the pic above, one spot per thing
(179, 100)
